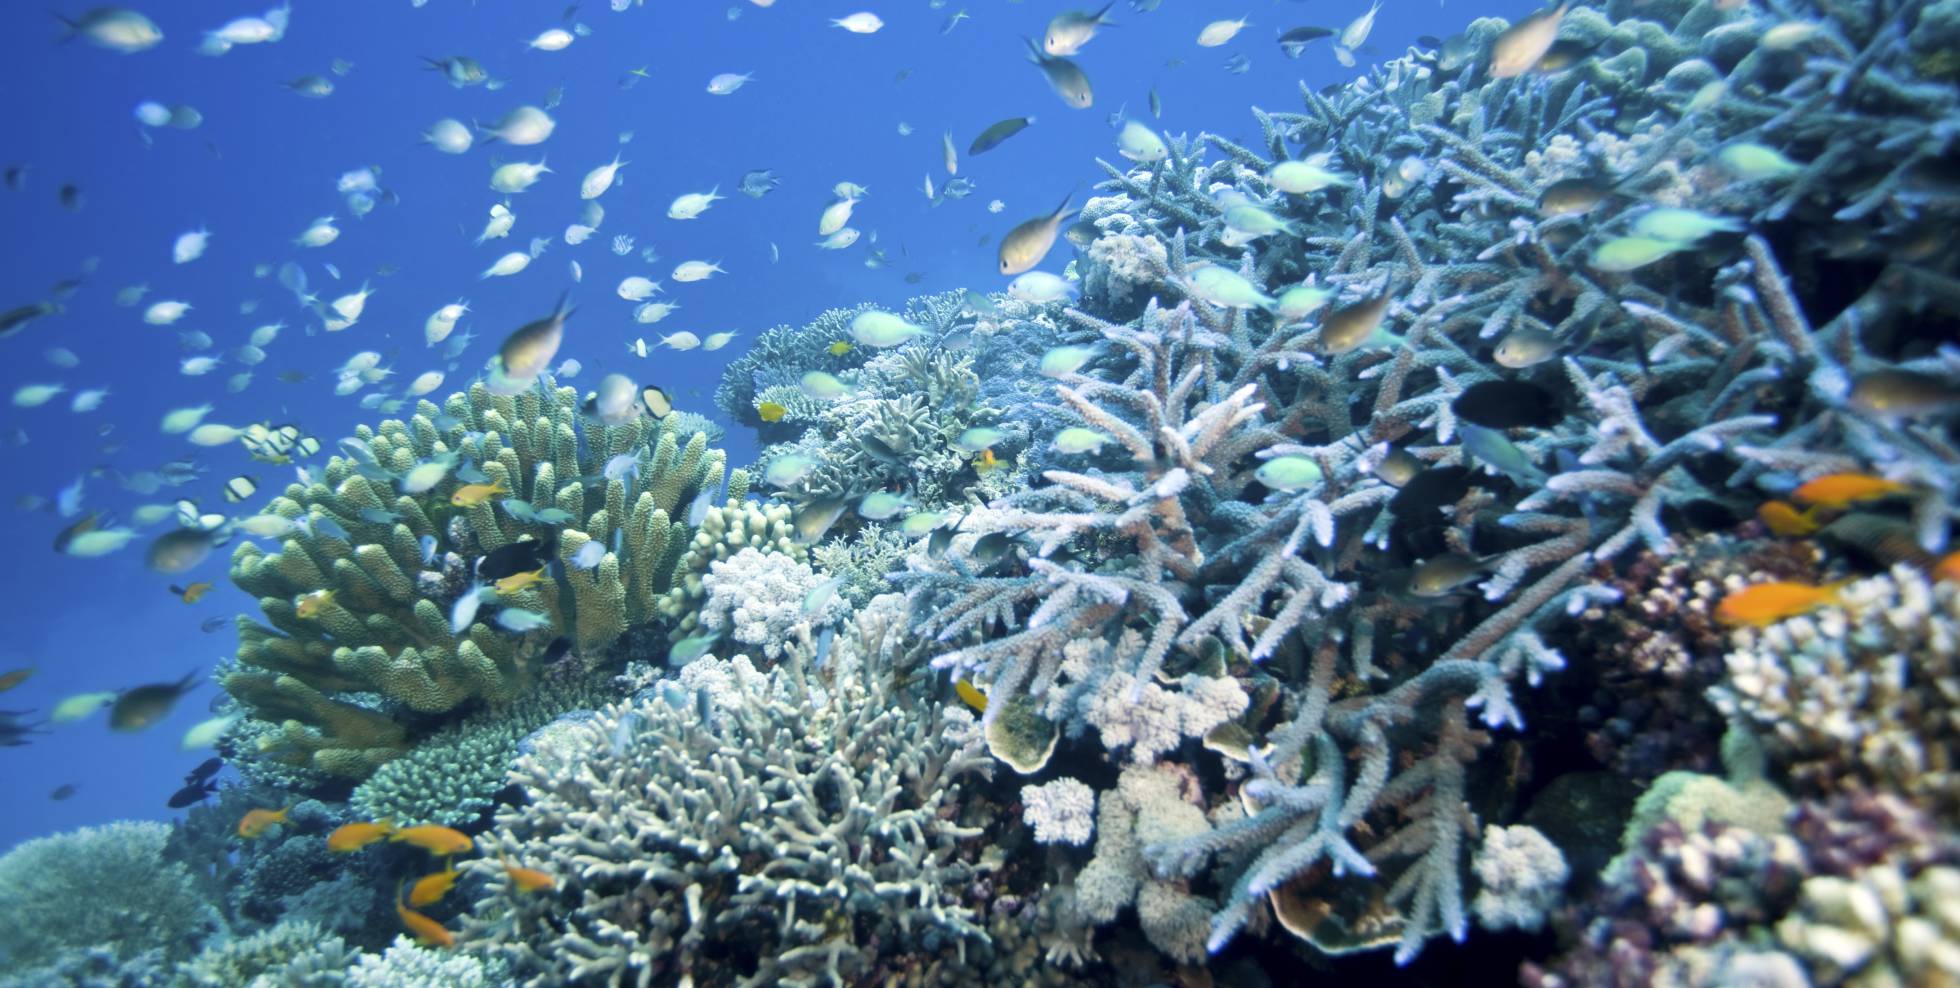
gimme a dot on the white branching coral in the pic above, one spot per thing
(1061, 812)
(759, 599)
(1153, 720)
(1521, 874)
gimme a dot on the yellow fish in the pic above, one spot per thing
(471, 495)
(430, 888)
(971, 695)
(986, 463)
(771, 411)
(310, 605)
(354, 836)
(257, 822)
(1784, 520)
(440, 841)
(518, 581)
(193, 593)
(839, 348)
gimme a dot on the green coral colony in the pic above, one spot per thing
(1352, 563)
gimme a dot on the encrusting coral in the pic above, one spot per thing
(360, 600)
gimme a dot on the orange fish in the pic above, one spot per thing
(1948, 568)
(527, 879)
(430, 888)
(15, 678)
(428, 931)
(1783, 519)
(440, 841)
(193, 593)
(1837, 490)
(985, 463)
(1767, 603)
(257, 822)
(354, 836)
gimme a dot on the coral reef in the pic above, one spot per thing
(106, 888)
(453, 775)
(358, 606)
(797, 835)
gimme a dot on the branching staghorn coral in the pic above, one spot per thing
(385, 626)
(795, 834)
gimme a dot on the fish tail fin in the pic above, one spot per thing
(1101, 18)
(1035, 54)
(74, 28)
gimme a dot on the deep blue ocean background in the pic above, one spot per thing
(824, 107)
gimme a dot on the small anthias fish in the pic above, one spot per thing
(1767, 603)
(256, 822)
(527, 879)
(437, 840)
(429, 932)
(1782, 518)
(350, 837)
(1838, 490)
(430, 889)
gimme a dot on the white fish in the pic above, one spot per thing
(115, 28)
(166, 312)
(424, 383)
(578, 273)
(516, 176)
(249, 355)
(449, 135)
(728, 82)
(849, 190)
(442, 322)
(264, 335)
(1218, 32)
(351, 305)
(319, 234)
(213, 434)
(692, 204)
(197, 366)
(463, 614)
(682, 340)
(635, 288)
(598, 180)
(1141, 144)
(190, 245)
(184, 419)
(238, 382)
(150, 113)
(1039, 287)
(207, 733)
(862, 22)
(697, 270)
(652, 312)
(836, 216)
(62, 357)
(716, 341)
(36, 395)
(839, 240)
(551, 39)
(523, 126)
(423, 477)
(578, 233)
(1356, 33)
(507, 265)
(637, 348)
(499, 224)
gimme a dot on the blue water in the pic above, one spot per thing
(825, 106)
